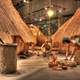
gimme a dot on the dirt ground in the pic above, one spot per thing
(36, 68)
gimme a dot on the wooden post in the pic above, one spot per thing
(8, 61)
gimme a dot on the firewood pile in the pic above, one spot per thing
(63, 65)
(70, 28)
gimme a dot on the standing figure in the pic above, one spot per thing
(46, 47)
(66, 41)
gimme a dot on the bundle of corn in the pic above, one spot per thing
(69, 28)
(40, 37)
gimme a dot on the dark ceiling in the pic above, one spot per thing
(36, 8)
(34, 11)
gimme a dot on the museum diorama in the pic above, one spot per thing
(39, 39)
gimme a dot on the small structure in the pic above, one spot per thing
(68, 29)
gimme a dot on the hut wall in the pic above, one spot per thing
(21, 45)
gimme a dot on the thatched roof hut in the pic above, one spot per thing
(11, 22)
(40, 37)
(69, 28)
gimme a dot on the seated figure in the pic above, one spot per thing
(46, 47)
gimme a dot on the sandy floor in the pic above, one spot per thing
(35, 68)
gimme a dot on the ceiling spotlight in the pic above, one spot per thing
(45, 8)
(50, 13)
(60, 10)
(24, 1)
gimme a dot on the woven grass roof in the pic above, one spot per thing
(11, 22)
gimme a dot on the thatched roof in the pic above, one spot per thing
(5, 38)
(11, 22)
(40, 37)
(69, 28)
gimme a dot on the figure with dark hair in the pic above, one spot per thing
(67, 42)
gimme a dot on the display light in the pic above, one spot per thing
(24, 1)
(27, 1)
(50, 13)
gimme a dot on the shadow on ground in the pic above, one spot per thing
(49, 74)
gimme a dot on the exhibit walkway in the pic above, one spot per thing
(35, 68)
